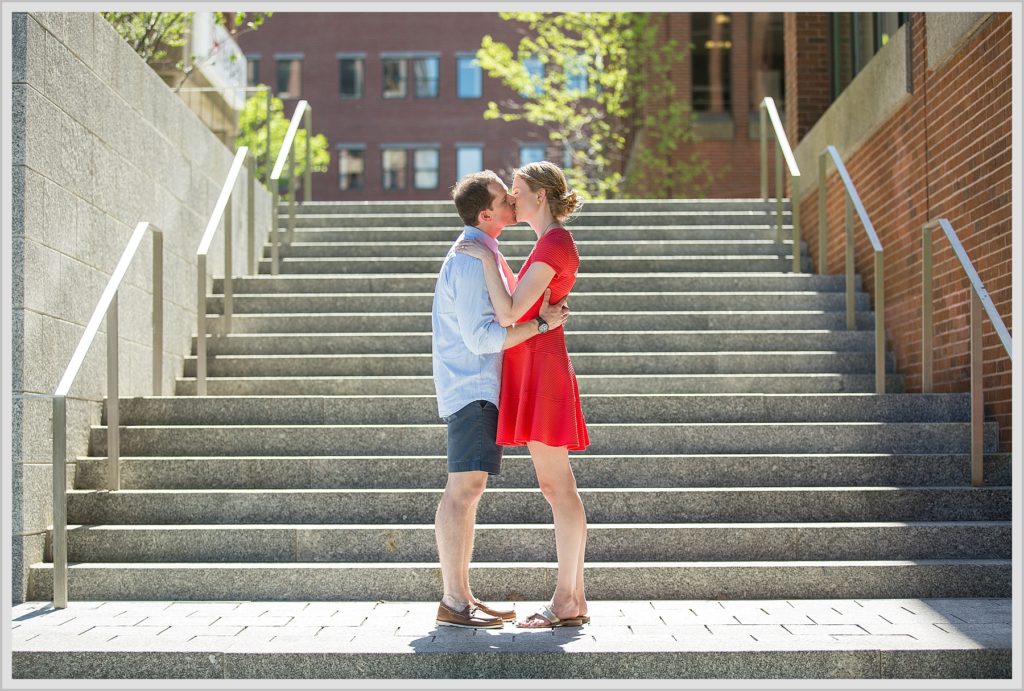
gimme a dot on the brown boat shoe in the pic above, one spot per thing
(503, 614)
(469, 617)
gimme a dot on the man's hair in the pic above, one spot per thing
(471, 195)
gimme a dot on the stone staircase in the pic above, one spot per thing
(738, 450)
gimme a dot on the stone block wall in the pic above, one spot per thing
(100, 143)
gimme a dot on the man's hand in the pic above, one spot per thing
(555, 315)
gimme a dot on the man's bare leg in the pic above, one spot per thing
(453, 523)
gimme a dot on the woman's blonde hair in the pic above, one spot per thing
(545, 175)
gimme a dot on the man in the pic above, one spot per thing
(467, 345)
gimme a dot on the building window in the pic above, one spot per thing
(469, 158)
(469, 77)
(425, 169)
(576, 75)
(854, 38)
(393, 165)
(425, 73)
(535, 68)
(350, 70)
(252, 69)
(351, 170)
(767, 59)
(712, 46)
(530, 153)
(395, 78)
(289, 77)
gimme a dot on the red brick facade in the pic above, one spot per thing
(807, 85)
(945, 153)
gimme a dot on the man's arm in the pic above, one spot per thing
(555, 316)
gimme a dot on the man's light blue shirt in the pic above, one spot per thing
(467, 341)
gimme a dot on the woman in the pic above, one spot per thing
(539, 404)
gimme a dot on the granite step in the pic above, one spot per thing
(581, 231)
(527, 505)
(591, 471)
(589, 248)
(295, 303)
(588, 281)
(504, 581)
(906, 638)
(438, 206)
(720, 263)
(578, 341)
(638, 542)
(588, 383)
(598, 408)
(660, 362)
(602, 217)
(677, 320)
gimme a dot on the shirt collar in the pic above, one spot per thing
(474, 233)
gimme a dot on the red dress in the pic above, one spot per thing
(539, 398)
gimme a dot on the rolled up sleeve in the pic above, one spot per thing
(473, 310)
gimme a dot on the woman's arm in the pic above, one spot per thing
(509, 308)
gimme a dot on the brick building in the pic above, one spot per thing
(919, 107)
(401, 102)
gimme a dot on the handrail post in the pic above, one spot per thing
(275, 240)
(307, 181)
(977, 395)
(270, 160)
(158, 312)
(229, 287)
(927, 295)
(879, 322)
(113, 409)
(291, 195)
(822, 232)
(201, 326)
(780, 190)
(251, 214)
(851, 305)
(60, 503)
(764, 153)
(794, 203)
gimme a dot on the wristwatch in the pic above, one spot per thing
(542, 326)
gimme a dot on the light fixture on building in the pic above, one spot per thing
(723, 18)
(711, 45)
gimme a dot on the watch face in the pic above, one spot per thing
(543, 328)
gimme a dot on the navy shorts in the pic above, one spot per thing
(472, 431)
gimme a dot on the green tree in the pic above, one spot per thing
(603, 92)
(253, 134)
(151, 34)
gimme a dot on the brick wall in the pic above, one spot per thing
(807, 85)
(946, 152)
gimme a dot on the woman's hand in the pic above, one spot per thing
(474, 248)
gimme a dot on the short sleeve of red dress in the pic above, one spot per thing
(558, 250)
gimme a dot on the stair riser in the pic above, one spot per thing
(504, 584)
(585, 282)
(389, 265)
(412, 507)
(711, 384)
(576, 342)
(584, 302)
(604, 544)
(581, 321)
(342, 208)
(598, 409)
(917, 470)
(584, 363)
(589, 249)
(580, 231)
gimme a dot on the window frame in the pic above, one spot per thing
(467, 146)
(532, 145)
(415, 170)
(347, 147)
(404, 69)
(471, 57)
(416, 81)
(360, 58)
(280, 58)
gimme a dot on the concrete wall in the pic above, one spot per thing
(100, 143)
(941, 150)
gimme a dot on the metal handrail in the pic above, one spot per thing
(222, 209)
(853, 202)
(302, 111)
(106, 307)
(979, 299)
(783, 150)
